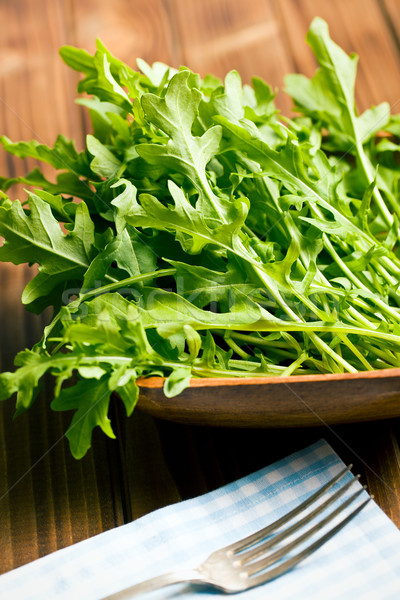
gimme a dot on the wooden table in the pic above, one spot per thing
(47, 499)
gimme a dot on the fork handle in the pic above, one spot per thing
(155, 583)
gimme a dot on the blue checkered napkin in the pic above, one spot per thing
(361, 562)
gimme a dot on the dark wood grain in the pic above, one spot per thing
(382, 457)
(147, 482)
(216, 456)
(47, 499)
(391, 13)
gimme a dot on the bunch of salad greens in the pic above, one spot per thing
(202, 234)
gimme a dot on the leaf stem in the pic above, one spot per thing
(348, 272)
(102, 290)
(111, 287)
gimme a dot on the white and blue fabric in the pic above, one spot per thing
(362, 561)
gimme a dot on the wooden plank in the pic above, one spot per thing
(383, 468)
(37, 90)
(374, 451)
(47, 499)
(391, 12)
(216, 456)
(379, 64)
(219, 35)
(129, 30)
(146, 478)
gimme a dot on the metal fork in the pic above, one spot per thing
(249, 562)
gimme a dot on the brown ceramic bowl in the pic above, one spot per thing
(294, 401)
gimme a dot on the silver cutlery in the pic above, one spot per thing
(266, 554)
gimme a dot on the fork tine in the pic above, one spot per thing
(261, 564)
(262, 533)
(260, 549)
(297, 558)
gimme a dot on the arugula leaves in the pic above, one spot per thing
(36, 237)
(201, 234)
(329, 97)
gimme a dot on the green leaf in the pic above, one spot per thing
(169, 313)
(125, 203)
(373, 120)
(78, 59)
(129, 252)
(104, 163)
(175, 114)
(288, 165)
(201, 286)
(329, 98)
(229, 104)
(26, 380)
(193, 341)
(36, 237)
(123, 382)
(105, 75)
(93, 372)
(66, 183)
(177, 381)
(62, 208)
(183, 218)
(157, 72)
(62, 156)
(101, 115)
(106, 78)
(91, 400)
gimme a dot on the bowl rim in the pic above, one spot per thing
(198, 382)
